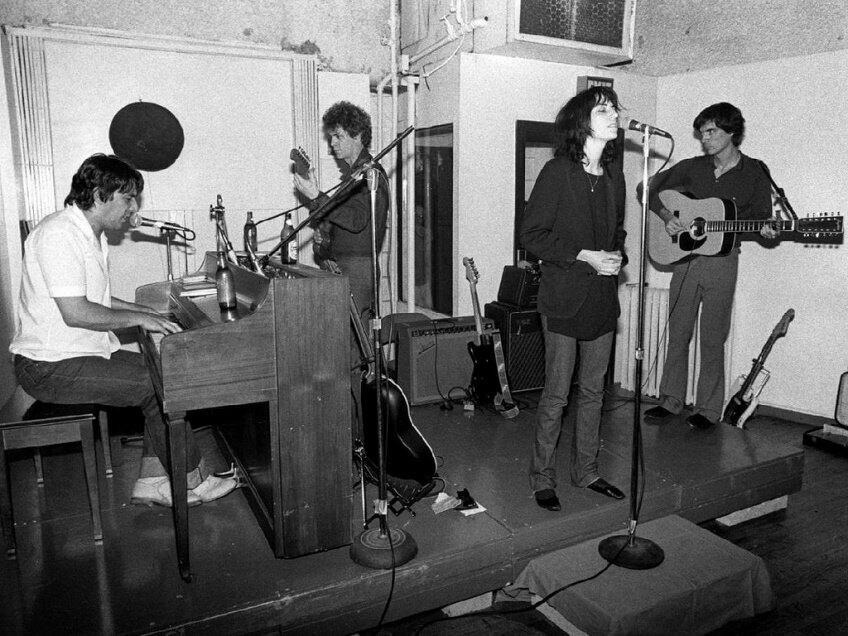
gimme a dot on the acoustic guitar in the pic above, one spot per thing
(712, 225)
(745, 399)
(488, 378)
(408, 455)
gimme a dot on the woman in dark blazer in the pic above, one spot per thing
(574, 223)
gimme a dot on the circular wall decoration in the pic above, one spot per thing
(147, 135)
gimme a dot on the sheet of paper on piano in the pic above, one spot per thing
(198, 291)
(197, 286)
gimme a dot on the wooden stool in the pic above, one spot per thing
(27, 423)
(105, 444)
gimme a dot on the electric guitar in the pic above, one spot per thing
(301, 161)
(488, 378)
(745, 400)
(407, 453)
(712, 225)
(323, 234)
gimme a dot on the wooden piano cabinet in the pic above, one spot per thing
(287, 352)
(309, 446)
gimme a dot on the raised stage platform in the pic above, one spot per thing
(62, 582)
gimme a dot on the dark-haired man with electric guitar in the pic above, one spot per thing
(345, 227)
(706, 281)
(343, 231)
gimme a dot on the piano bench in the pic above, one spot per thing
(28, 423)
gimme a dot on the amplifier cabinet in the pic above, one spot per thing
(523, 345)
(519, 287)
(432, 357)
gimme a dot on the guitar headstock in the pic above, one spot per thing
(471, 273)
(301, 161)
(782, 327)
(820, 226)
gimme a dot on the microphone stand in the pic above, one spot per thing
(630, 551)
(782, 201)
(342, 189)
(169, 235)
(380, 548)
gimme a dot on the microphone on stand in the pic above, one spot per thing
(136, 220)
(653, 130)
(371, 176)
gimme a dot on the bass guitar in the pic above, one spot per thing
(488, 379)
(408, 455)
(746, 398)
(712, 225)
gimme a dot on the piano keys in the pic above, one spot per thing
(285, 351)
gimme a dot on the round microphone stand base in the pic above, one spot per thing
(372, 549)
(631, 552)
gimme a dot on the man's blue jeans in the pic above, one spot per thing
(560, 357)
(123, 380)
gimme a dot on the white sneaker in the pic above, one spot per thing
(148, 491)
(214, 488)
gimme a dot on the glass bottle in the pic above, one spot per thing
(250, 242)
(289, 252)
(224, 284)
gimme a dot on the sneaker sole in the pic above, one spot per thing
(150, 503)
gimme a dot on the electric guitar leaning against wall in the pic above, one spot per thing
(488, 378)
(712, 225)
(747, 388)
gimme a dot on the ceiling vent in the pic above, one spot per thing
(602, 28)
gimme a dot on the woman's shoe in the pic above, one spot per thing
(548, 499)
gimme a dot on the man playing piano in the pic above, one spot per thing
(64, 345)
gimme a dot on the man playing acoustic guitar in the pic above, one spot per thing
(706, 281)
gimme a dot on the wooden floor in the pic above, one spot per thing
(61, 582)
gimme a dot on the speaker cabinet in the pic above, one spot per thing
(523, 345)
(432, 357)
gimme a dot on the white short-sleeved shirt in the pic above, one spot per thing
(62, 258)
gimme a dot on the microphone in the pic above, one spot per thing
(371, 176)
(638, 125)
(136, 220)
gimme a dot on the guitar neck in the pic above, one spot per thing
(478, 322)
(752, 225)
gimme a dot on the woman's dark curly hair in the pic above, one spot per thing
(573, 121)
(105, 174)
(351, 118)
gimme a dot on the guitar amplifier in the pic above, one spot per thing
(519, 286)
(432, 357)
(523, 345)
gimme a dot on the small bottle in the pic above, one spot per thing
(289, 254)
(250, 243)
(224, 284)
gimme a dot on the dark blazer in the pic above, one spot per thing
(558, 224)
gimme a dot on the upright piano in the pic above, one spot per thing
(286, 345)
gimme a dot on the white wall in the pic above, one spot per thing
(496, 91)
(236, 117)
(796, 121)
